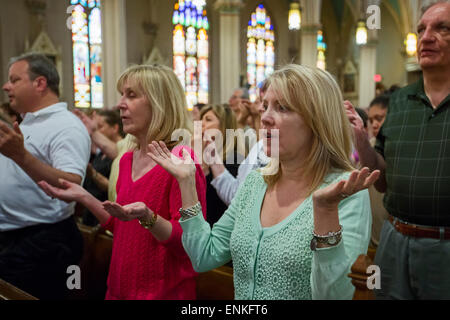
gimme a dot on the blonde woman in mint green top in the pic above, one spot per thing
(268, 228)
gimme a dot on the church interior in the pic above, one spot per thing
(214, 47)
(147, 31)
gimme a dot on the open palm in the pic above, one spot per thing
(128, 212)
(179, 168)
(357, 181)
(69, 192)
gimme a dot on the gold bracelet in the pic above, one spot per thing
(148, 224)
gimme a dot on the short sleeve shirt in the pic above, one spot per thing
(59, 139)
(415, 143)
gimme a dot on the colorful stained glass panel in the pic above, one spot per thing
(87, 54)
(191, 49)
(260, 49)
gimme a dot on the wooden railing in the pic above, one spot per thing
(94, 264)
(359, 276)
(216, 284)
(10, 292)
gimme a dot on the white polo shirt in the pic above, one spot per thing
(227, 186)
(58, 138)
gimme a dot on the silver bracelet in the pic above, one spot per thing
(329, 234)
(191, 211)
(330, 239)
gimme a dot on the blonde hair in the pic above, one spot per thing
(227, 120)
(315, 95)
(166, 98)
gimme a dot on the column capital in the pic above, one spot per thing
(228, 6)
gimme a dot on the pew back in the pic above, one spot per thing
(10, 292)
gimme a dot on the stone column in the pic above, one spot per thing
(368, 60)
(114, 48)
(310, 25)
(367, 69)
(308, 51)
(230, 48)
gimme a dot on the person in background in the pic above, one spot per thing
(379, 89)
(196, 111)
(224, 182)
(238, 102)
(113, 150)
(377, 114)
(39, 238)
(294, 234)
(217, 119)
(148, 259)
(109, 124)
(412, 152)
(11, 113)
(5, 118)
(365, 119)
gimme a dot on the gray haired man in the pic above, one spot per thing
(413, 152)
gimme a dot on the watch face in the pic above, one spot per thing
(332, 240)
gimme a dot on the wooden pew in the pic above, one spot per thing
(359, 276)
(216, 284)
(94, 264)
(10, 292)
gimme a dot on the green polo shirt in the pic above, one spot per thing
(415, 143)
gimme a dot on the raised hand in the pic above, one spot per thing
(91, 124)
(244, 111)
(180, 168)
(68, 192)
(355, 120)
(330, 196)
(11, 141)
(128, 212)
(212, 150)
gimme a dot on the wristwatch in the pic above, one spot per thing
(148, 224)
(330, 239)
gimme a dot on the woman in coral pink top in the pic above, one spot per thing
(148, 260)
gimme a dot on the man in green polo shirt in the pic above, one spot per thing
(413, 154)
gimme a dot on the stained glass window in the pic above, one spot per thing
(321, 49)
(191, 49)
(260, 49)
(87, 53)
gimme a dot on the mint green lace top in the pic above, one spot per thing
(276, 262)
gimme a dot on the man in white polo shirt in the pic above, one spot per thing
(39, 238)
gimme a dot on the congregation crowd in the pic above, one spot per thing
(288, 189)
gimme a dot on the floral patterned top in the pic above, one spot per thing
(277, 262)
